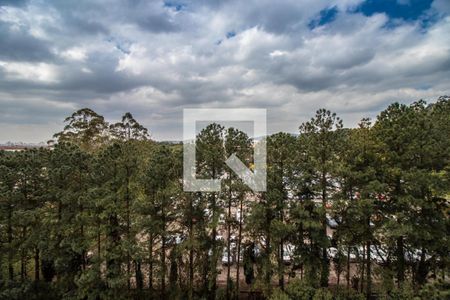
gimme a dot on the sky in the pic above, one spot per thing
(154, 58)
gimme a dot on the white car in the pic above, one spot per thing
(225, 257)
(288, 252)
(333, 251)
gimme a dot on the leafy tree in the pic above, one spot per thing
(85, 128)
(129, 129)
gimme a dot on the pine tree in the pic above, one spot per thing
(161, 190)
(210, 165)
(281, 153)
(321, 137)
(68, 169)
(238, 143)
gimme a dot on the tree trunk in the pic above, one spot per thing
(229, 243)
(191, 252)
(238, 260)
(422, 269)
(348, 267)
(369, 272)
(23, 259)
(36, 264)
(113, 265)
(10, 250)
(400, 261)
(268, 253)
(325, 262)
(150, 262)
(281, 266)
(138, 275)
(163, 262)
(363, 264)
(127, 203)
(213, 279)
(99, 240)
(191, 273)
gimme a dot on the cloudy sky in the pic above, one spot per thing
(154, 58)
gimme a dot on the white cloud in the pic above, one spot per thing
(41, 72)
(75, 53)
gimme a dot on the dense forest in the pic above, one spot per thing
(349, 213)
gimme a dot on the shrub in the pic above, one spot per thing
(435, 291)
(279, 295)
(404, 292)
(349, 294)
(323, 294)
(300, 290)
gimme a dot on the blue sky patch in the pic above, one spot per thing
(325, 16)
(409, 10)
(231, 34)
(175, 5)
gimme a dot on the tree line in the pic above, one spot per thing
(349, 213)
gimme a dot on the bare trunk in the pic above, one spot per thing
(127, 199)
(400, 261)
(229, 242)
(348, 267)
(363, 263)
(369, 272)
(10, 251)
(281, 266)
(238, 260)
(36, 264)
(23, 258)
(163, 261)
(191, 252)
(268, 253)
(99, 240)
(325, 263)
(150, 262)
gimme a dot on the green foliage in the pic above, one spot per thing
(436, 290)
(103, 215)
(28, 290)
(348, 294)
(404, 292)
(323, 294)
(298, 289)
(278, 294)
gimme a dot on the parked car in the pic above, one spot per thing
(288, 252)
(225, 257)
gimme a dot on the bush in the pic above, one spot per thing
(349, 294)
(27, 290)
(323, 294)
(404, 292)
(300, 290)
(279, 295)
(435, 291)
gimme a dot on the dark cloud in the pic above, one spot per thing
(20, 45)
(13, 2)
(156, 24)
